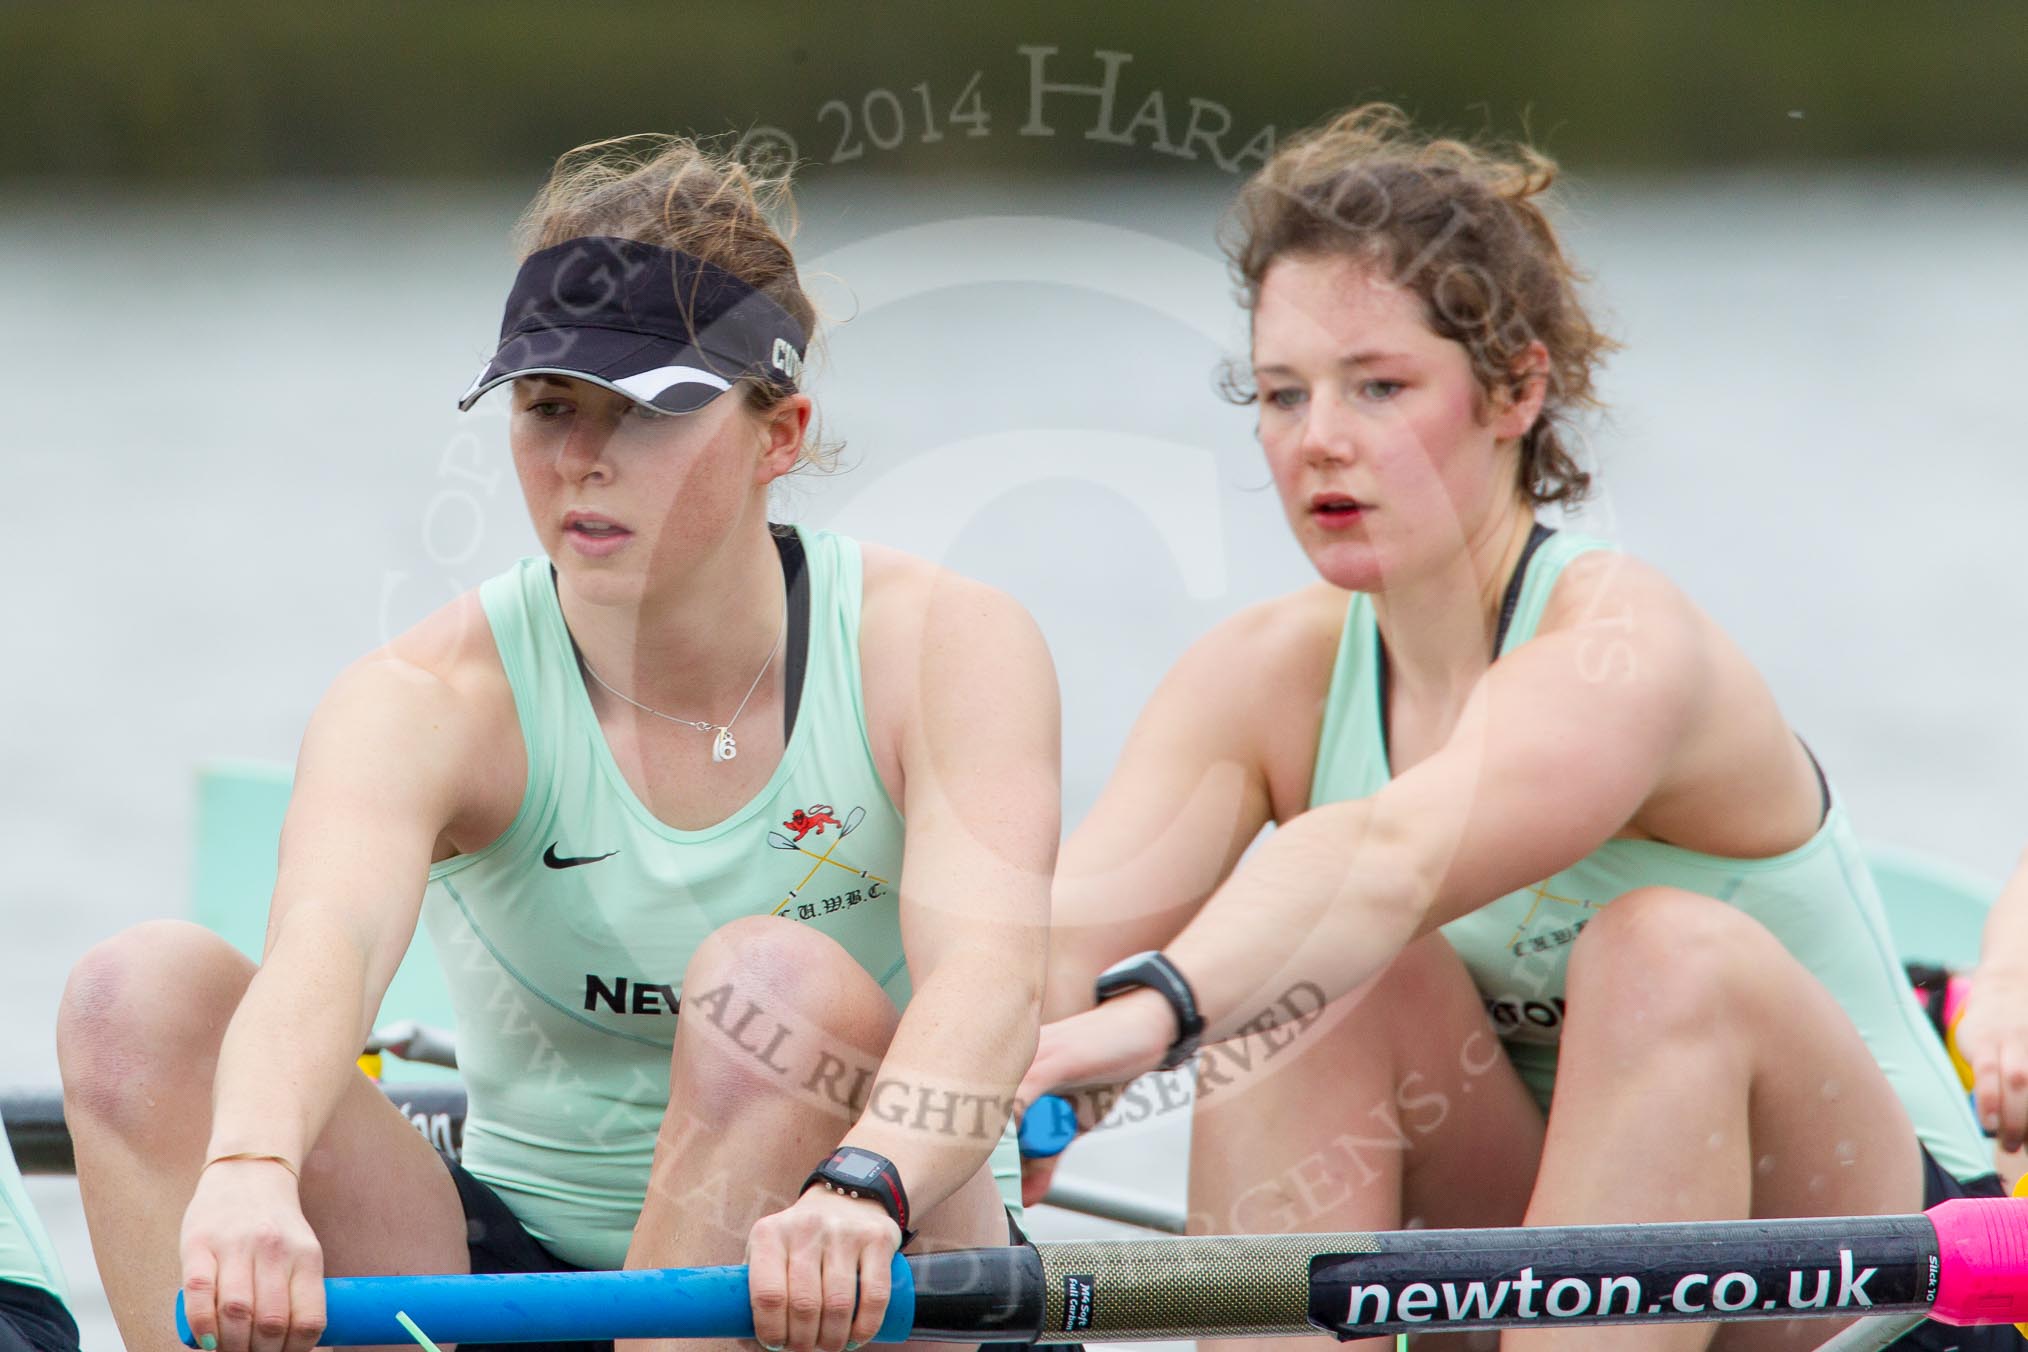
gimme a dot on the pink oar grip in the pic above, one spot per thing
(1983, 1244)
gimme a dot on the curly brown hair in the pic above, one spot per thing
(691, 196)
(1455, 223)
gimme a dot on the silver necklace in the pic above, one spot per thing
(723, 746)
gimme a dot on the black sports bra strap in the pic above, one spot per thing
(1823, 781)
(796, 644)
(1512, 599)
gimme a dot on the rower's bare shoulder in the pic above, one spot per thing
(1602, 581)
(1632, 633)
(1738, 782)
(929, 636)
(441, 676)
(425, 729)
(454, 644)
(399, 753)
(1251, 693)
(1274, 650)
(909, 602)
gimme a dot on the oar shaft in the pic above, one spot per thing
(1961, 1263)
(40, 1138)
(37, 1133)
(1966, 1261)
(1646, 1274)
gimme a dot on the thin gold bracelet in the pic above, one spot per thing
(282, 1160)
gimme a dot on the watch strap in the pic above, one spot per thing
(1153, 971)
(853, 1172)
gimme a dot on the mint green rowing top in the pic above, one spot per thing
(26, 1255)
(565, 940)
(1819, 900)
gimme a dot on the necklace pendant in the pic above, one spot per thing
(723, 747)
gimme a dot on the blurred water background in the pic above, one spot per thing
(233, 462)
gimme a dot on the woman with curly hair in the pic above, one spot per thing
(1560, 921)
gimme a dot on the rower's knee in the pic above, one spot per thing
(790, 966)
(767, 1000)
(1660, 962)
(1426, 975)
(144, 1009)
(1425, 995)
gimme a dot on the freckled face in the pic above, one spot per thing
(1372, 424)
(623, 496)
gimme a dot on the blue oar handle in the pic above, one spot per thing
(706, 1302)
(1047, 1128)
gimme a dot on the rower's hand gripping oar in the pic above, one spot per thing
(1963, 1262)
(705, 1302)
(670, 1303)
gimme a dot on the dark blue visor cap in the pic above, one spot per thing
(662, 327)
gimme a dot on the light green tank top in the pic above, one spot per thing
(1819, 899)
(565, 940)
(26, 1255)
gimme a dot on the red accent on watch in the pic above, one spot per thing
(853, 1172)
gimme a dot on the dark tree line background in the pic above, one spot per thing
(159, 94)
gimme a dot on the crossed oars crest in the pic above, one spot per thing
(782, 841)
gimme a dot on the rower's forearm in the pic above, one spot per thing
(1077, 954)
(938, 1125)
(1322, 907)
(290, 1049)
(1092, 927)
(1076, 957)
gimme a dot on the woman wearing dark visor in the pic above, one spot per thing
(669, 761)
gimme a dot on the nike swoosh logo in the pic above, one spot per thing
(555, 860)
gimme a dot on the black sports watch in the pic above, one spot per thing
(853, 1172)
(1152, 971)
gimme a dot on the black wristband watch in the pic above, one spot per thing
(1152, 971)
(853, 1172)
